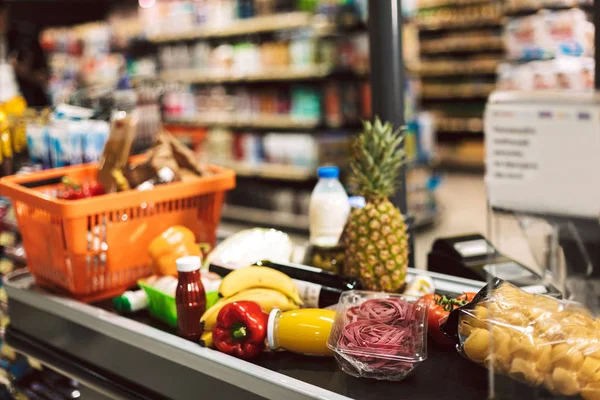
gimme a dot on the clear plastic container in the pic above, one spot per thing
(534, 339)
(395, 327)
(329, 208)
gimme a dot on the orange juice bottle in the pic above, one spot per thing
(302, 331)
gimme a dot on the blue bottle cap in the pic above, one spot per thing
(329, 172)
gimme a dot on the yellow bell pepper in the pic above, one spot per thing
(166, 248)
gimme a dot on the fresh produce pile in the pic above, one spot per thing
(266, 287)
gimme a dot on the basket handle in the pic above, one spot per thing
(43, 182)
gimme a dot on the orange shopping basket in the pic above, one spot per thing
(96, 248)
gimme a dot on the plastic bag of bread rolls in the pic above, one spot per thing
(534, 339)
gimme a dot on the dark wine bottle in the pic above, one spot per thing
(314, 284)
(314, 275)
(317, 296)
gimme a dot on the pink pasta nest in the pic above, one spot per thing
(379, 332)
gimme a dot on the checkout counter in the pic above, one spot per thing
(115, 357)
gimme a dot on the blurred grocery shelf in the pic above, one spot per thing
(231, 120)
(425, 4)
(458, 68)
(273, 74)
(267, 23)
(516, 10)
(449, 124)
(463, 23)
(462, 46)
(270, 170)
(458, 164)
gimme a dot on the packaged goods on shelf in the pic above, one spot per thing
(167, 20)
(339, 103)
(93, 54)
(471, 41)
(547, 34)
(458, 90)
(63, 140)
(447, 3)
(283, 155)
(562, 73)
(477, 65)
(477, 15)
(462, 155)
(516, 6)
(294, 56)
(458, 124)
(82, 52)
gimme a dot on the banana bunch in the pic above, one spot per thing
(265, 286)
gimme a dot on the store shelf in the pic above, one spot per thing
(255, 216)
(427, 4)
(281, 74)
(464, 71)
(463, 48)
(270, 170)
(466, 23)
(461, 164)
(459, 125)
(269, 23)
(471, 97)
(523, 10)
(231, 120)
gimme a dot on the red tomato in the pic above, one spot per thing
(439, 309)
(467, 297)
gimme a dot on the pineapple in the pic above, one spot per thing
(375, 236)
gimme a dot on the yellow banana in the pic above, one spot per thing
(259, 277)
(267, 298)
(207, 340)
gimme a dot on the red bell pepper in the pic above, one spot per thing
(241, 329)
(76, 191)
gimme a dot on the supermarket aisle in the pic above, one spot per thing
(462, 201)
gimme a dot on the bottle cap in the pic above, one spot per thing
(329, 172)
(131, 301)
(273, 317)
(188, 264)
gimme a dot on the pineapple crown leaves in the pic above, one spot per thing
(378, 157)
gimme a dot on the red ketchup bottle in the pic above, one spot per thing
(190, 298)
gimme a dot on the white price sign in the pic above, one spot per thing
(543, 153)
